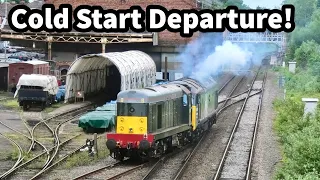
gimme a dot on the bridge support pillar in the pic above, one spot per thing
(49, 40)
(103, 43)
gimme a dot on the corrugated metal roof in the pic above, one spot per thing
(137, 70)
(36, 62)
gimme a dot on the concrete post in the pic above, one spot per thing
(49, 51)
(292, 67)
(310, 105)
(103, 48)
(49, 40)
(283, 64)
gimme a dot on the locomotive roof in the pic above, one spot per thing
(151, 94)
(195, 85)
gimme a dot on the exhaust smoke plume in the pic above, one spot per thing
(209, 56)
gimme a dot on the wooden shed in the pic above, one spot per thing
(27, 67)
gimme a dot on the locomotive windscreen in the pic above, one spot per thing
(132, 109)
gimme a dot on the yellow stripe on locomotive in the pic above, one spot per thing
(194, 117)
(131, 125)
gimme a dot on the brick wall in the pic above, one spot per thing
(165, 38)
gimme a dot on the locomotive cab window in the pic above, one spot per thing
(185, 100)
(132, 109)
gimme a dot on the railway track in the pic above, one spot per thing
(20, 158)
(52, 152)
(56, 148)
(184, 163)
(188, 158)
(225, 84)
(223, 171)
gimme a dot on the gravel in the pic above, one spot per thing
(171, 166)
(77, 171)
(267, 153)
(238, 155)
(205, 162)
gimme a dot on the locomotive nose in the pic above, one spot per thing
(111, 144)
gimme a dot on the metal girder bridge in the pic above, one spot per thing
(264, 37)
(77, 37)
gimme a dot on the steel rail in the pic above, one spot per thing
(226, 84)
(217, 175)
(252, 149)
(57, 146)
(161, 160)
(60, 115)
(38, 175)
(128, 171)
(11, 170)
(230, 94)
(20, 158)
(234, 96)
(36, 157)
(185, 162)
(97, 170)
(237, 101)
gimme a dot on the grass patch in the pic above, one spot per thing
(38, 164)
(4, 94)
(54, 107)
(10, 104)
(83, 158)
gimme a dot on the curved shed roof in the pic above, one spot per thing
(137, 70)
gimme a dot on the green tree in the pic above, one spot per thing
(303, 10)
(258, 7)
(308, 54)
(238, 3)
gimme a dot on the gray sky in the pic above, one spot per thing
(263, 3)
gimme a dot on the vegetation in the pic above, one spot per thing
(299, 134)
(10, 104)
(54, 107)
(83, 158)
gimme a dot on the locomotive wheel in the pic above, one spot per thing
(118, 156)
(25, 107)
(144, 156)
